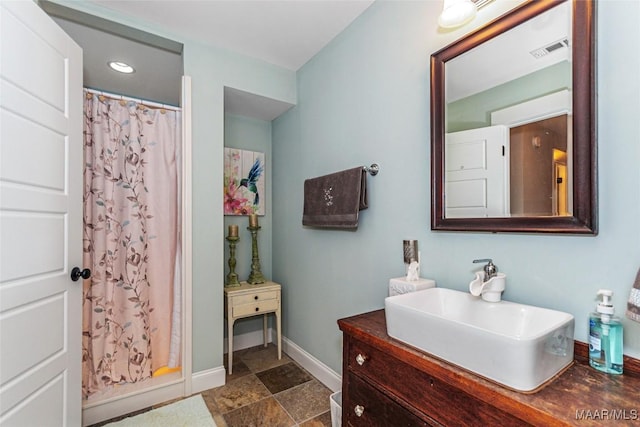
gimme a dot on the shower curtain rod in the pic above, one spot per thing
(146, 103)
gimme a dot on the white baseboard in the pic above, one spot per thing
(204, 380)
(247, 340)
(322, 372)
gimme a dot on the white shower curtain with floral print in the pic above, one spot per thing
(131, 241)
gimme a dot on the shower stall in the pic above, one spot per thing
(131, 302)
(135, 302)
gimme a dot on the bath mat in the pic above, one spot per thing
(191, 412)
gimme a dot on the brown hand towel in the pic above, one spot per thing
(334, 200)
(633, 306)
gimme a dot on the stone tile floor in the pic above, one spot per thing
(265, 391)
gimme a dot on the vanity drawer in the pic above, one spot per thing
(256, 307)
(251, 298)
(368, 407)
(424, 392)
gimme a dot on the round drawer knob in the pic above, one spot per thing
(257, 308)
(360, 359)
(359, 410)
(256, 297)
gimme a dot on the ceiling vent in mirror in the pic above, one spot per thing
(480, 3)
(539, 53)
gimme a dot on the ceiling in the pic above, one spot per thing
(285, 33)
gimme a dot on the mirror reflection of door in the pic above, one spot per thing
(476, 184)
(538, 155)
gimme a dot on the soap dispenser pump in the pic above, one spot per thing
(605, 336)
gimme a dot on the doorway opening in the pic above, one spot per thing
(157, 85)
(538, 168)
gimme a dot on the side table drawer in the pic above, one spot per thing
(257, 296)
(256, 307)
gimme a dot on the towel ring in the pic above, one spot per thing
(373, 169)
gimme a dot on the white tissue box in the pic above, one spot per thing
(401, 285)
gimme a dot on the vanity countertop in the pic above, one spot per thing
(578, 396)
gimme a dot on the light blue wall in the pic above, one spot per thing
(364, 99)
(475, 111)
(211, 69)
(255, 135)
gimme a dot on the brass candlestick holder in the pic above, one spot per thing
(255, 277)
(232, 277)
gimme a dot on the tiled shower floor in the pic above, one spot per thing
(265, 391)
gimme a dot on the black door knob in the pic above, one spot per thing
(76, 273)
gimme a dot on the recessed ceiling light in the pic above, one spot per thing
(121, 67)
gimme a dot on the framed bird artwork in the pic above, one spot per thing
(244, 182)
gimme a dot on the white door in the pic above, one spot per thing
(476, 173)
(40, 220)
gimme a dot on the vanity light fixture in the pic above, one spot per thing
(121, 67)
(456, 13)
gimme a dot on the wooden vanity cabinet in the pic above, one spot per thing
(374, 407)
(382, 390)
(391, 384)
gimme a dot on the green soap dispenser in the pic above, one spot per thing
(605, 336)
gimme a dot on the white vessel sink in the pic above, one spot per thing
(519, 346)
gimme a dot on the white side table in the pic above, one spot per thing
(252, 300)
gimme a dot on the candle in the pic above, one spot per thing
(233, 231)
(253, 220)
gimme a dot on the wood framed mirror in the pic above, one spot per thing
(513, 132)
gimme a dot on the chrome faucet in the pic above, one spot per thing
(490, 270)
